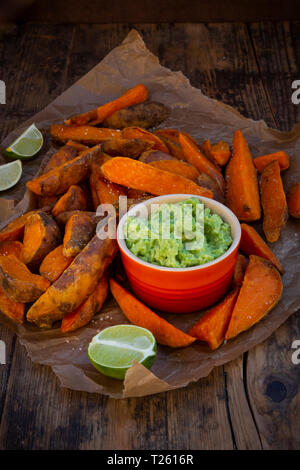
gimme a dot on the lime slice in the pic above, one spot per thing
(27, 145)
(113, 349)
(10, 174)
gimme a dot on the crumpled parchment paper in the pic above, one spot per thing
(125, 66)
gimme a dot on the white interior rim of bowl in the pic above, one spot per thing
(207, 201)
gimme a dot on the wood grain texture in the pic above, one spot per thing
(238, 405)
(151, 11)
(277, 48)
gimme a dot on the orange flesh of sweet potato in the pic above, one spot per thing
(140, 315)
(83, 314)
(137, 175)
(195, 157)
(103, 191)
(88, 135)
(139, 133)
(293, 200)
(75, 284)
(80, 228)
(15, 229)
(41, 236)
(58, 180)
(177, 167)
(239, 271)
(64, 154)
(18, 282)
(54, 264)
(11, 247)
(273, 202)
(212, 327)
(137, 94)
(282, 158)
(221, 152)
(252, 244)
(132, 148)
(260, 292)
(10, 308)
(242, 194)
(74, 199)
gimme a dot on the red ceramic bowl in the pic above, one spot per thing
(181, 290)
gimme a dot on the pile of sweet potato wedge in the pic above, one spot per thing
(55, 267)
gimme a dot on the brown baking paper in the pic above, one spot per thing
(203, 118)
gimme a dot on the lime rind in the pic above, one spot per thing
(27, 145)
(10, 174)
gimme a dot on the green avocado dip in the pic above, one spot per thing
(178, 235)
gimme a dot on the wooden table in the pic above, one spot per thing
(251, 403)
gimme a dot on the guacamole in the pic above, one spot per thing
(178, 235)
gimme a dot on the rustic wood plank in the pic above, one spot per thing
(245, 433)
(149, 11)
(197, 416)
(277, 48)
(273, 383)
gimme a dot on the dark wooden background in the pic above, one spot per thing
(251, 403)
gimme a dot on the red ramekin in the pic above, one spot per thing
(181, 290)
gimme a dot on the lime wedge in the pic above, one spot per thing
(10, 173)
(27, 145)
(113, 349)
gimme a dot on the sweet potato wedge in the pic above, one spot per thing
(87, 135)
(260, 292)
(155, 156)
(174, 135)
(177, 167)
(11, 247)
(293, 200)
(80, 228)
(283, 159)
(18, 282)
(239, 271)
(207, 182)
(41, 236)
(15, 229)
(83, 314)
(46, 203)
(132, 148)
(137, 94)
(75, 284)
(139, 133)
(145, 115)
(140, 315)
(252, 244)
(218, 153)
(195, 157)
(63, 218)
(11, 309)
(58, 180)
(54, 264)
(242, 194)
(74, 199)
(212, 327)
(273, 202)
(64, 154)
(103, 191)
(173, 146)
(138, 175)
